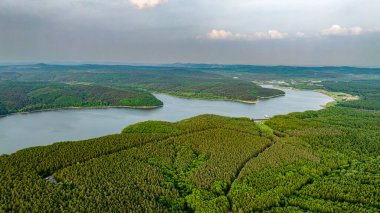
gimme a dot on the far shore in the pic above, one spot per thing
(148, 107)
(83, 108)
(260, 98)
(222, 99)
(333, 95)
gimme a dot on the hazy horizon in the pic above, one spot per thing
(168, 64)
(247, 32)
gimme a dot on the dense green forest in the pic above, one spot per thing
(206, 81)
(31, 96)
(192, 83)
(314, 161)
(367, 90)
(317, 161)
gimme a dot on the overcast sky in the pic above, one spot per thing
(263, 32)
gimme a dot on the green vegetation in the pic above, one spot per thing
(226, 82)
(367, 90)
(152, 127)
(31, 96)
(313, 161)
(338, 97)
(184, 82)
(142, 171)
(221, 90)
(317, 145)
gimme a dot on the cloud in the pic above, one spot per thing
(337, 30)
(227, 35)
(300, 34)
(141, 4)
(271, 34)
(334, 30)
(220, 35)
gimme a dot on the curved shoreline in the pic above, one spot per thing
(39, 129)
(145, 107)
(335, 95)
(82, 108)
(260, 98)
(348, 97)
(222, 99)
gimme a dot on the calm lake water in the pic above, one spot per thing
(25, 130)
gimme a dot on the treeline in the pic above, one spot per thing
(184, 82)
(315, 161)
(367, 90)
(138, 170)
(237, 90)
(30, 96)
(246, 71)
(294, 174)
(324, 161)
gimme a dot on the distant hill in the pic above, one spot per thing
(184, 82)
(31, 96)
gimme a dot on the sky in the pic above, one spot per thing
(260, 32)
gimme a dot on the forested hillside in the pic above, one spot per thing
(324, 161)
(315, 161)
(367, 90)
(184, 82)
(31, 96)
(206, 81)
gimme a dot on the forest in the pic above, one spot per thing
(367, 90)
(183, 82)
(313, 161)
(32, 96)
(316, 161)
(203, 81)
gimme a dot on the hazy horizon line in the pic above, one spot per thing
(176, 63)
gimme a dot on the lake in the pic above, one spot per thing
(20, 131)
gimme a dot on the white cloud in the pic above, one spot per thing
(220, 35)
(337, 30)
(334, 30)
(356, 30)
(141, 4)
(227, 35)
(300, 35)
(271, 34)
(274, 34)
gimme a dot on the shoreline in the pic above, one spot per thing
(273, 96)
(143, 112)
(221, 99)
(333, 95)
(328, 104)
(260, 98)
(143, 107)
(82, 108)
(336, 98)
